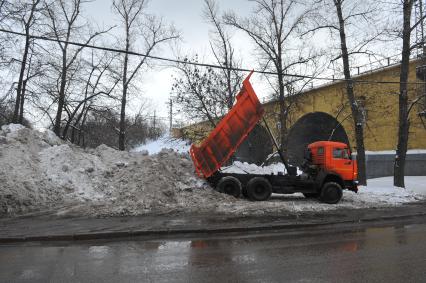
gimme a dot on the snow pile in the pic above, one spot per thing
(239, 167)
(165, 142)
(20, 176)
(40, 172)
(244, 167)
(66, 168)
(11, 128)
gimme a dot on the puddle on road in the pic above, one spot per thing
(99, 252)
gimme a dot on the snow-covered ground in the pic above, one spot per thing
(165, 142)
(414, 184)
(382, 191)
(40, 172)
(379, 193)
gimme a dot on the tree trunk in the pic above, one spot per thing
(403, 129)
(228, 82)
(81, 131)
(122, 134)
(21, 111)
(283, 108)
(21, 78)
(68, 123)
(17, 116)
(72, 135)
(61, 100)
(71, 118)
(77, 120)
(356, 113)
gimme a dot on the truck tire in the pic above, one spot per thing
(229, 185)
(331, 192)
(259, 189)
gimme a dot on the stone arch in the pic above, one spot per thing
(310, 128)
(256, 148)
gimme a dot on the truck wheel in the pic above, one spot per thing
(230, 186)
(311, 195)
(331, 192)
(259, 189)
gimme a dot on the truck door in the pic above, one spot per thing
(342, 163)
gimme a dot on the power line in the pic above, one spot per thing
(109, 49)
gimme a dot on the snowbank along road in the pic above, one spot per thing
(41, 173)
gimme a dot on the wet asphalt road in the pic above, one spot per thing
(393, 253)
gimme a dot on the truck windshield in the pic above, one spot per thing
(340, 153)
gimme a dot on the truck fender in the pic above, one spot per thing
(325, 176)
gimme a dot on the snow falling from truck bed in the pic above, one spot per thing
(40, 173)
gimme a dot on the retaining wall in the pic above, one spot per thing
(381, 165)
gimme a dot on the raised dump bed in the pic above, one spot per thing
(231, 131)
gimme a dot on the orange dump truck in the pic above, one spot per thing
(327, 170)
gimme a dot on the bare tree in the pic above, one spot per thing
(151, 31)
(401, 27)
(404, 108)
(200, 93)
(274, 28)
(348, 14)
(222, 50)
(34, 74)
(6, 54)
(2, 17)
(4, 7)
(65, 25)
(355, 109)
(204, 93)
(26, 13)
(99, 80)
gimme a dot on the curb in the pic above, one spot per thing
(169, 232)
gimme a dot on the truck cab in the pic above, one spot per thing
(334, 157)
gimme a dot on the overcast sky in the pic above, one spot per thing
(186, 15)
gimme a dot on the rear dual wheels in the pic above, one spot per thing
(229, 185)
(259, 189)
